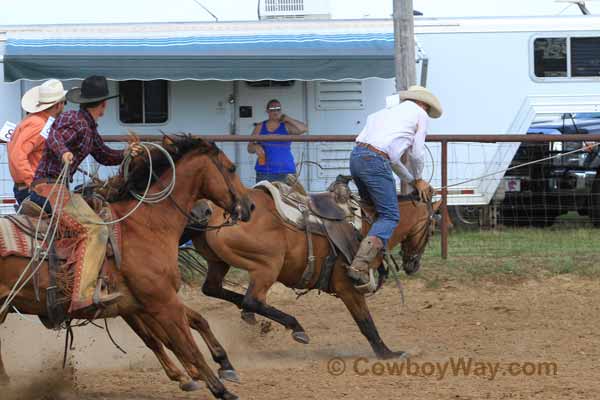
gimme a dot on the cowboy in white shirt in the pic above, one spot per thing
(388, 134)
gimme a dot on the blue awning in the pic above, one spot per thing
(288, 51)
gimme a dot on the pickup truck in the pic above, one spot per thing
(537, 194)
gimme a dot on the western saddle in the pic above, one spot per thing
(334, 214)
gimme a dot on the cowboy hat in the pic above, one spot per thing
(419, 93)
(44, 96)
(92, 90)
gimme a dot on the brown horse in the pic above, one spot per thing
(272, 250)
(149, 275)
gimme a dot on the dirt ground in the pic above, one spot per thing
(531, 324)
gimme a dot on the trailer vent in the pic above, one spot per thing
(293, 9)
(343, 95)
(284, 5)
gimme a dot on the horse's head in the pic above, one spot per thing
(415, 241)
(215, 172)
(205, 169)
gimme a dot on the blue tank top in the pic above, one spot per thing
(279, 158)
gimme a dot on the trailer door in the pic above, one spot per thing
(251, 109)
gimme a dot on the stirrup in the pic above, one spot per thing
(32, 209)
(368, 287)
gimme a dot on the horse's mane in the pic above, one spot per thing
(119, 187)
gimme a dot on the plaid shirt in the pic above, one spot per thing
(74, 131)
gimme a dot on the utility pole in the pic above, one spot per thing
(404, 44)
(404, 54)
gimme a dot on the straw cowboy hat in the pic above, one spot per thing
(419, 93)
(92, 90)
(43, 97)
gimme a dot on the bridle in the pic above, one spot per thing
(423, 232)
(231, 217)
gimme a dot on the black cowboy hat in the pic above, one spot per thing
(93, 89)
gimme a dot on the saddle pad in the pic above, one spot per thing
(16, 239)
(293, 215)
(289, 213)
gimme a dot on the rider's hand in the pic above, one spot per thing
(588, 147)
(425, 191)
(134, 149)
(67, 157)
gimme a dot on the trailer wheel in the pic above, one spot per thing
(595, 202)
(464, 217)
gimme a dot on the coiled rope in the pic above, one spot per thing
(146, 197)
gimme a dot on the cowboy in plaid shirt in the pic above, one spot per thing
(72, 138)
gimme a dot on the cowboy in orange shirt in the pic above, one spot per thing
(27, 142)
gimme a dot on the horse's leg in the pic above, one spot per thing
(357, 305)
(217, 351)
(154, 344)
(4, 378)
(255, 302)
(173, 322)
(213, 287)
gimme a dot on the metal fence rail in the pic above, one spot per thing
(333, 152)
(443, 141)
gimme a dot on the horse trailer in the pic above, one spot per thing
(492, 75)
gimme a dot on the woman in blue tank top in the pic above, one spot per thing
(275, 159)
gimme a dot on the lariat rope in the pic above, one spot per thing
(146, 197)
(503, 171)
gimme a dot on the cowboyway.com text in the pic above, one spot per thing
(453, 367)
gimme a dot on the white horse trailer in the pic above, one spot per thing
(492, 75)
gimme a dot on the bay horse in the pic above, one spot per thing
(272, 250)
(149, 276)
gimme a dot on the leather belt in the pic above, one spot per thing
(43, 180)
(373, 149)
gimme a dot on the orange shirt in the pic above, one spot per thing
(26, 147)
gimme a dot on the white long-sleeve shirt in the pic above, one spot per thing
(398, 129)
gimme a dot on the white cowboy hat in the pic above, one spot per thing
(419, 93)
(43, 97)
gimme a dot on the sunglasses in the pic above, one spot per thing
(274, 109)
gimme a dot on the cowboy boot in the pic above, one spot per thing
(369, 249)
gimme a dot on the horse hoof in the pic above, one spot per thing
(229, 396)
(229, 375)
(190, 386)
(248, 317)
(301, 337)
(399, 355)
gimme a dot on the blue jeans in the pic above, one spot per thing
(373, 176)
(20, 195)
(266, 176)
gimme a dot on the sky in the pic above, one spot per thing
(78, 11)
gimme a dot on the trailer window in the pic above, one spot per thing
(585, 56)
(143, 102)
(270, 84)
(550, 57)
